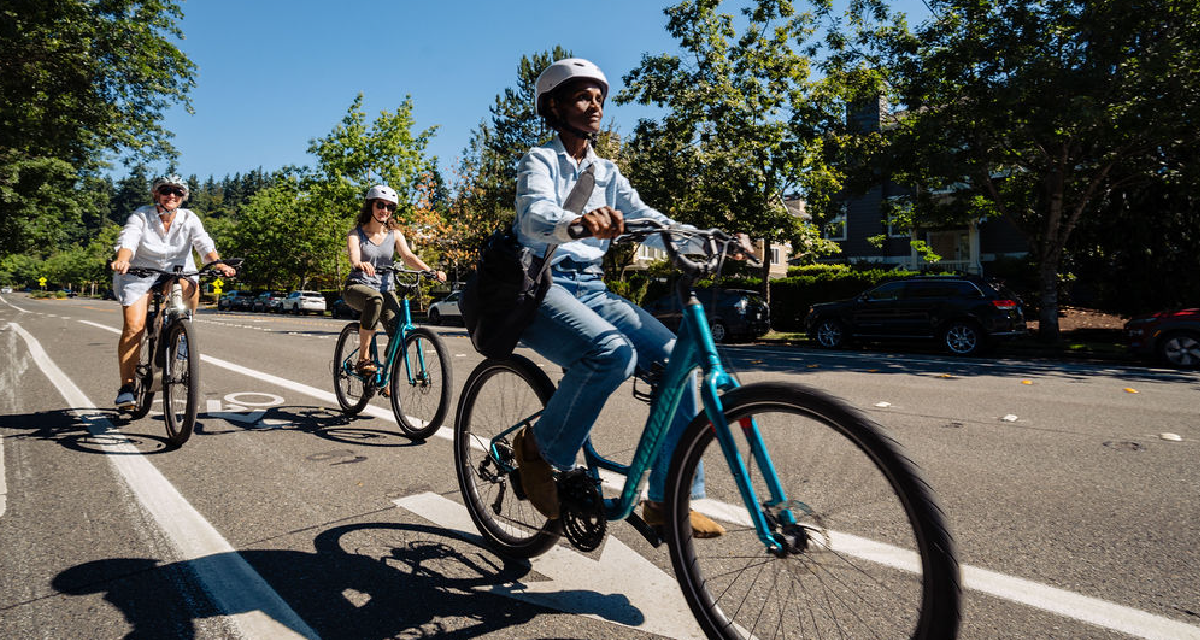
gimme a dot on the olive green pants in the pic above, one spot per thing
(374, 305)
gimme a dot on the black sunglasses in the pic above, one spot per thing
(170, 191)
(380, 204)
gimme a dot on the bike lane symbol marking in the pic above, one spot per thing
(246, 407)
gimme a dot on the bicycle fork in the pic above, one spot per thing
(788, 536)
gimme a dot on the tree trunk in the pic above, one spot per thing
(1048, 316)
(766, 271)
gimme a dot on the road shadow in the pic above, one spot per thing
(103, 431)
(323, 422)
(363, 582)
(87, 430)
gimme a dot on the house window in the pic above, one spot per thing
(835, 229)
(775, 255)
(894, 227)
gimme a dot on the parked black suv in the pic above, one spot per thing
(739, 313)
(965, 314)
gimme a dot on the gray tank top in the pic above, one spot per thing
(379, 255)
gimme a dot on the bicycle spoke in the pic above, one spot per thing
(854, 566)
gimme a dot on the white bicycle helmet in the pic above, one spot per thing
(563, 70)
(171, 180)
(383, 192)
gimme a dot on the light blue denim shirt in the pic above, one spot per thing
(546, 176)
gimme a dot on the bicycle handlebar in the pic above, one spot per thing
(203, 272)
(717, 243)
(395, 271)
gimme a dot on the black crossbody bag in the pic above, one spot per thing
(510, 281)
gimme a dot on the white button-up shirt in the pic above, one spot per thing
(155, 246)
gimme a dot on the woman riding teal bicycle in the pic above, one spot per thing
(599, 338)
(373, 244)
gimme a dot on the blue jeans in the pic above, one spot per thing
(599, 338)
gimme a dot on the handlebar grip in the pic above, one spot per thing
(576, 230)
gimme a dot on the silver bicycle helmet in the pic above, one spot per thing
(171, 180)
(562, 71)
(382, 192)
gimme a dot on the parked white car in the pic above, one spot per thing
(446, 308)
(301, 302)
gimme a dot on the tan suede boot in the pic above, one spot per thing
(537, 476)
(702, 525)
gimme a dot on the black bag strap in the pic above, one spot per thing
(575, 202)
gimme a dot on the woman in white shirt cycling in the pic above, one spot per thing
(161, 235)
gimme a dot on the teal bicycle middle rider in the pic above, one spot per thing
(598, 337)
(373, 244)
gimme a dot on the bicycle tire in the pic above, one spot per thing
(497, 395)
(352, 392)
(426, 397)
(181, 382)
(145, 380)
(864, 499)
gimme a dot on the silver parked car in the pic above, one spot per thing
(302, 302)
(444, 309)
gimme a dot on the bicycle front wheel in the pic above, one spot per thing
(352, 390)
(869, 554)
(419, 383)
(181, 382)
(499, 395)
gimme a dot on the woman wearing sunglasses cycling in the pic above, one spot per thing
(373, 244)
(161, 235)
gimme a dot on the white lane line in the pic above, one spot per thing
(3, 481)
(12, 305)
(598, 588)
(236, 589)
(1065, 603)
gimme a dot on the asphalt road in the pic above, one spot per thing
(1075, 510)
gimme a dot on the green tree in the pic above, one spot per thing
(1036, 111)
(79, 79)
(1140, 253)
(356, 155)
(280, 236)
(496, 146)
(744, 118)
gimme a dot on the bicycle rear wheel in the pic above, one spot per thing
(870, 555)
(419, 383)
(352, 391)
(500, 394)
(145, 377)
(181, 382)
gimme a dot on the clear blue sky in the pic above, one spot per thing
(274, 74)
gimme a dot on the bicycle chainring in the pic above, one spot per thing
(581, 508)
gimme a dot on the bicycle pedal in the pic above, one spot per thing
(652, 534)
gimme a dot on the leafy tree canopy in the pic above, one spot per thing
(79, 79)
(1036, 111)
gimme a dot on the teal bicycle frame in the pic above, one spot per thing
(403, 326)
(694, 349)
